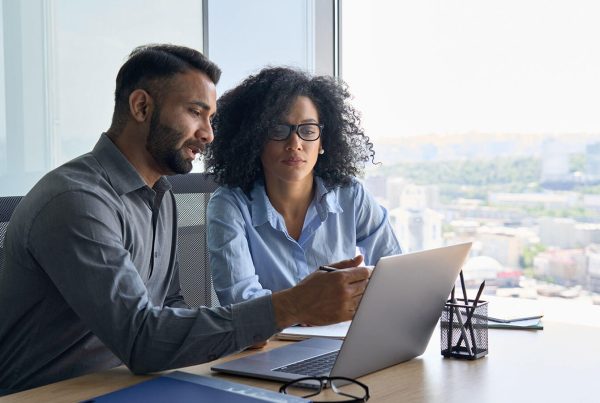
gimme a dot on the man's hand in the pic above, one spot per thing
(346, 264)
(257, 346)
(323, 298)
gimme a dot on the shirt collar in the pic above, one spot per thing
(121, 174)
(326, 201)
(262, 209)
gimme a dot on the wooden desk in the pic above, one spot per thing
(558, 364)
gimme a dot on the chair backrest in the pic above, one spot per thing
(192, 192)
(7, 206)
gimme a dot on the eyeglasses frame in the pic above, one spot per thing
(326, 380)
(296, 129)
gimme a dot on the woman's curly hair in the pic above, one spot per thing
(246, 112)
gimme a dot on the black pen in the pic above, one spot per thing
(492, 319)
(464, 289)
(466, 302)
(451, 321)
(463, 331)
(478, 294)
(469, 322)
(327, 268)
(470, 317)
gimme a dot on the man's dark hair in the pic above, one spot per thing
(246, 112)
(148, 64)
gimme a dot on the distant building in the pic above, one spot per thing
(592, 163)
(548, 200)
(563, 266)
(417, 229)
(587, 234)
(509, 278)
(505, 244)
(555, 163)
(393, 190)
(566, 233)
(591, 201)
(462, 231)
(480, 268)
(468, 209)
(557, 232)
(419, 197)
(593, 258)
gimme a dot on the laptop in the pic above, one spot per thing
(393, 322)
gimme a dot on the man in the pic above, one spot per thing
(91, 276)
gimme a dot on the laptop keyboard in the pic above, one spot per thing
(315, 366)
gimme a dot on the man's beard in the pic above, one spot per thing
(162, 145)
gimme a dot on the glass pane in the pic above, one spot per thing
(60, 63)
(245, 36)
(3, 156)
(485, 117)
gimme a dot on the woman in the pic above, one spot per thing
(286, 150)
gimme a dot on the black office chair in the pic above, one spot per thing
(7, 206)
(192, 192)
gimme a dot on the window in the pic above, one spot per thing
(59, 62)
(485, 118)
(245, 36)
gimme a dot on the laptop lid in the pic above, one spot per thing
(393, 323)
(399, 309)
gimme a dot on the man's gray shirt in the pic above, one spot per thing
(91, 281)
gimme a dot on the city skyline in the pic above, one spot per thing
(475, 145)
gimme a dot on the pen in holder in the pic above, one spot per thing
(464, 326)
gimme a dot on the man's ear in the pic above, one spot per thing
(140, 105)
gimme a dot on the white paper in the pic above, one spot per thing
(337, 331)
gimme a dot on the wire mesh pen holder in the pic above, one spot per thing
(464, 329)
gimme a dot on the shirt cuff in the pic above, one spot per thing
(254, 320)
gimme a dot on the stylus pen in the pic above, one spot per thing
(464, 289)
(450, 322)
(327, 268)
(469, 322)
(491, 319)
(462, 329)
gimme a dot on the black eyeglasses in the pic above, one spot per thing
(306, 131)
(353, 390)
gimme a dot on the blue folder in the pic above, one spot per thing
(183, 387)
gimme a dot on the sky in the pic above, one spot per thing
(446, 66)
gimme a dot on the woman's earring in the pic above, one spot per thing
(321, 151)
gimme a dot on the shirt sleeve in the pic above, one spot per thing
(233, 271)
(175, 297)
(374, 235)
(77, 240)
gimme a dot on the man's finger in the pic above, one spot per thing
(344, 264)
(356, 299)
(356, 274)
(358, 288)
